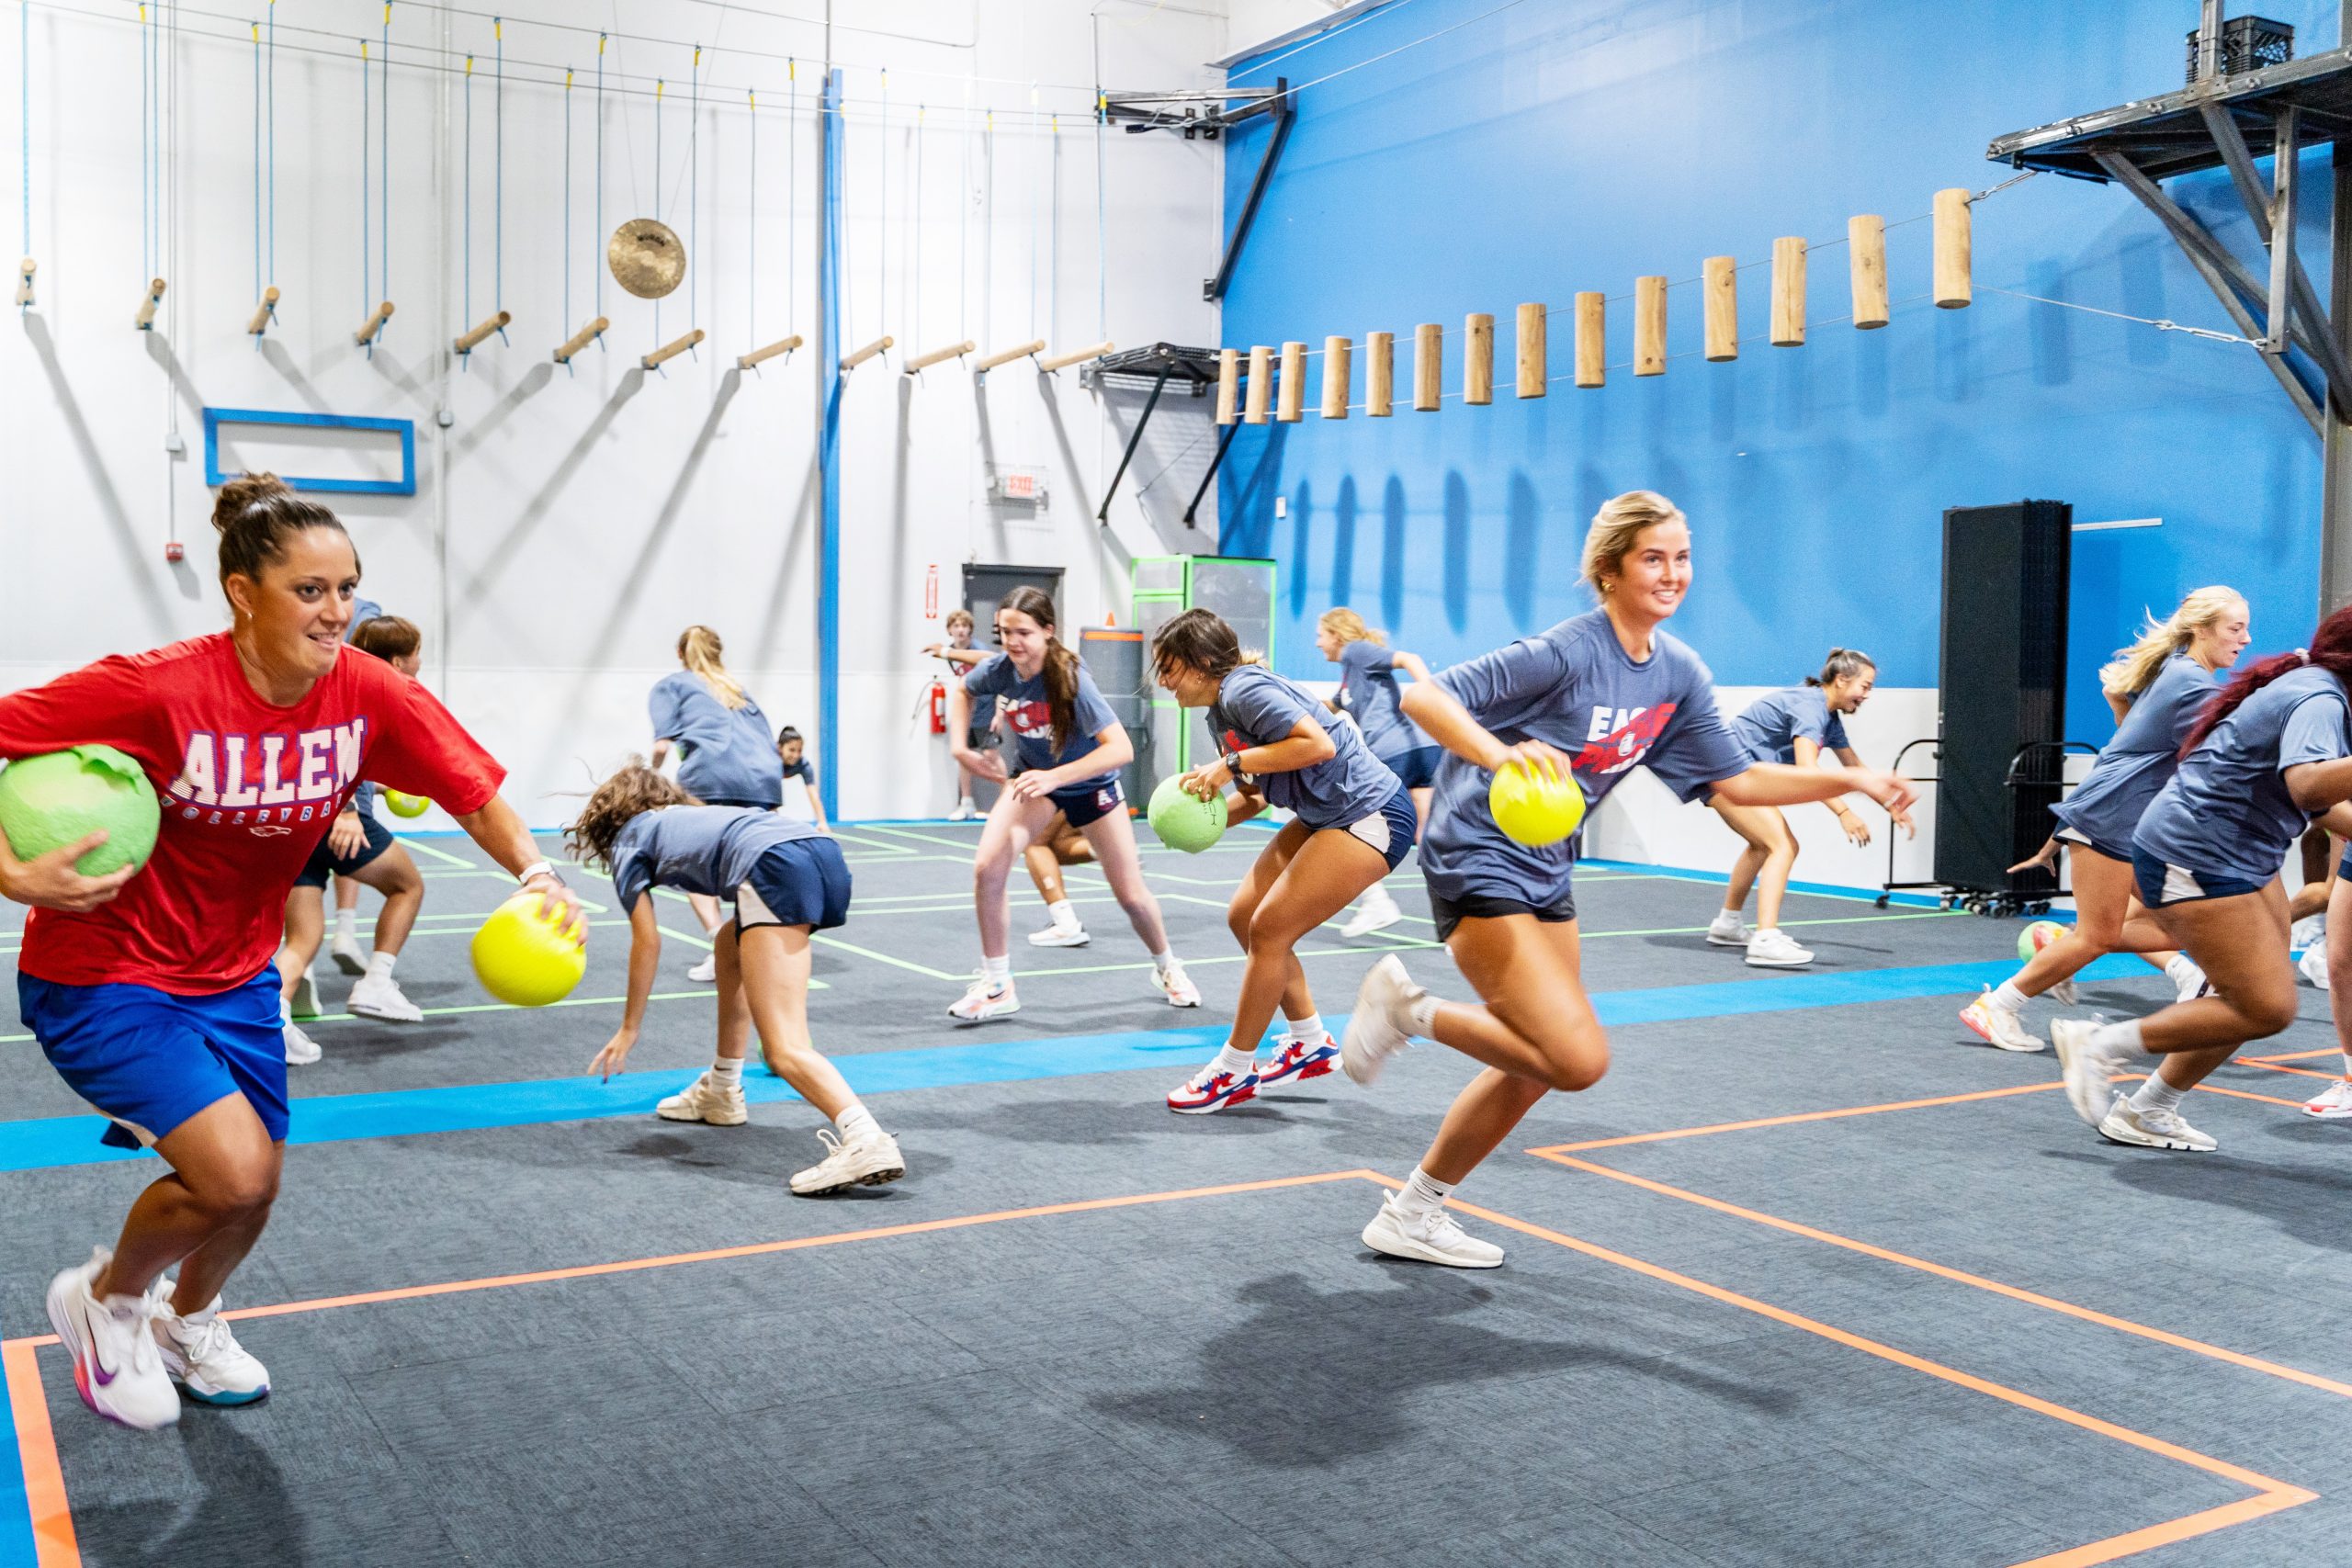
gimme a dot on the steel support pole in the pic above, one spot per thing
(2336, 434)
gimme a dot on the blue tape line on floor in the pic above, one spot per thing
(18, 1547)
(44, 1142)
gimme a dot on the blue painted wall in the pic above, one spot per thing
(1561, 146)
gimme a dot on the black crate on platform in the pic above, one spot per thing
(2249, 43)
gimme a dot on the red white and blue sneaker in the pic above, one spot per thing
(1300, 1059)
(1211, 1088)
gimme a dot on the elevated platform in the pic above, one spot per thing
(2171, 135)
(1196, 367)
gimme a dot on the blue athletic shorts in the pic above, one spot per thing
(150, 1060)
(1087, 802)
(804, 883)
(2075, 838)
(1416, 769)
(2162, 884)
(1390, 829)
(324, 859)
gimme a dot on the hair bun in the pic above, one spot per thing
(240, 494)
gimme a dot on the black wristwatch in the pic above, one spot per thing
(1233, 764)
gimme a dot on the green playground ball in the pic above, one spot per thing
(2036, 936)
(50, 801)
(1183, 821)
(1532, 808)
(525, 958)
(406, 805)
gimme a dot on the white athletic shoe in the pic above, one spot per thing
(1212, 1088)
(705, 1100)
(2308, 932)
(300, 1049)
(1071, 935)
(1376, 913)
(344, 951)
(117, 1368)
(869, 1161)
(1772, 948)
(2312, 966)
(1997, 1025)
(1729, 931)
(965, 811)
(2188, 982)
(1435, 1237)
(1381, 1024)
(380, 996)
(2084, 1068)
(202, 1356)
(981, 1002)
(706, 972)
(2126, 1123)
(2063, 993)
(2332, 1103)
(1177, 986)
(304, 1002)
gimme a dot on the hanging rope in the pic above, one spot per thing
(882, 220)
(791, 188)
(693, 185)
(751, 260)
(913, 268)
(1036, 212)
(256, 168)
(367, 122)
(1053, 228)
(384, 172)
(597, 234)
(658, 86)
(567, 200)
(498, 173)
(273, 142)
(25, 144)
(1102, 244)
(146, 236)
(466, 200)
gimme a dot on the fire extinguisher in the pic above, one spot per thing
(938, 705)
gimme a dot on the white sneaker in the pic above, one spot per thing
(2332, 1103)
(2188, 982)
(1997, 1025)
(1729, 931)
(300, 1049)
(118, 1367)
(964, 812)
(705, 1100)
(344, 951)
(981, 1003)
(1177, 986)
(2084, 1069)
(1433, 1238)
(1071, 935)
(1376, 913)
(869, 1161)
(1210, 1090)
(2312, 966)
(380, 996)
(2308, 932)
(2063, 993)
(2126, 1123)
(304, 1002)
(202, 1356)
(1381, 1024)
(706, 972)
(1772, 948)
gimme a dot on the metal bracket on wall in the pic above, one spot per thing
(1196, 367)
(1209, 116)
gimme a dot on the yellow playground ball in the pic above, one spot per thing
(406, 805)
(525, 958)
(1534, 809)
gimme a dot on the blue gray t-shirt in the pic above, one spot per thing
(1368, 684)
(1769, 726)
(2226, 814)
(1576, 688)
(1029, 714)
(2106, 806)
(698, 848)
(725, 753)
(1255, 706)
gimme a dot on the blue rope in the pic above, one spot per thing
(272, 141)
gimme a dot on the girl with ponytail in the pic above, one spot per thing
(2268, 755)
(727, 752)
(1071, 747)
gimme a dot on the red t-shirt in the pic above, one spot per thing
(247, 790)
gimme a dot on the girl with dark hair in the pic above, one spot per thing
(1355, 822)
(725, 754)
(153, 994)
(1792, 728)
(786, 879)
(1071, 747)
(2267, 756)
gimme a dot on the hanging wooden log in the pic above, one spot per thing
(1592, 339)
(1007, 356)
(671, 350)
(371, 326)
(1259, 392)
(938, 356)
(1290, 403)
(254, 328)
(25, 281)
(1062, 361)
(1649, 326)
(1338, 372)
(1953, 245)
(1479, 358)
(760, 356)
(1428, 367)
(146, 322)
(1228, 383)
(1380, 375)
(856, 357)
(468, 342)
(580, 339)
(1788, 292)
(1866, 257)
(1535, 359)
(1720, 283)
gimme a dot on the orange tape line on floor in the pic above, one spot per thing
(1800, 1116)
(54, 1545)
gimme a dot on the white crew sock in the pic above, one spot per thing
(1064, 915)
(1164, 962)
(1379, 897)
(997, 971)
(1240, 1064)
(1421, 1016)
(1421, 1195)
(2119, 1039)
(1309, 1029)
(2347, 1066)
(1726, 917)
(727, 1072)
(380, 964)
(2156, 1095)
(856, 1121)
(2007, 996)
(2179, 964)
(346, 925)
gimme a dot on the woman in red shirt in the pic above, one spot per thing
(154, 995)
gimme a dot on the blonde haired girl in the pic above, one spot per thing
(727, 753)
(1368, 695)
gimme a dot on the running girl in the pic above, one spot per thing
(725, 755)
(786, 880)
(1353, 823)
(2157, 687)
(2264, 757)
(1071, 747)
(1368, 692)
(1600, 695)
(153, 994)
(960, 656)
(1792, 727)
